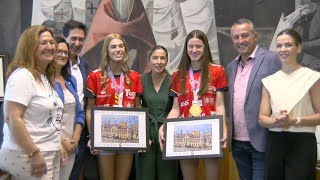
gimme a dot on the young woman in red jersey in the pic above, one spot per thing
(198, 85)
(113, 85)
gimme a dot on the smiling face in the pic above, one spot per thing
(116, 51)
(195, 48)
(46, 49)
(287, 48)
(244, 39)
(61, 57)
(75, 41)
(158, 61)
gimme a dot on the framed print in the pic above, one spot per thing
(194, 137)
(3, 65)
(114, 128)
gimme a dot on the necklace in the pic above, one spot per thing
(118, 87)
(195, 109)
(54, 117)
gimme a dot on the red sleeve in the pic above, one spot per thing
(221, 81)
(139, 85)
(174, 84)
(91, 85)
(136, 82)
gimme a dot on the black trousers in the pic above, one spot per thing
(291, 156)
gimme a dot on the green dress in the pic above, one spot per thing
(149, 165)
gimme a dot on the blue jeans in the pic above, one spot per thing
(249, 161)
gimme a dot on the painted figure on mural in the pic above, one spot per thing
(171, 20)
(306, 21)
(308, 27)
(54, 13)
(127, 18)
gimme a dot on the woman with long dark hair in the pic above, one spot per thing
(198, 88)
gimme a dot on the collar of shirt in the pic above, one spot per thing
(252, 56)
(76, 65)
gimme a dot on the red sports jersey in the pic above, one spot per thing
(218, 82)
(109, 97)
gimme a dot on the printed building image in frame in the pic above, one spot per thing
(119, 128)
(122, 129)
(196, 137)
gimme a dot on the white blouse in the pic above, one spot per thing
(69, 115)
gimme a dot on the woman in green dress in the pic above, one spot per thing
(156, 85)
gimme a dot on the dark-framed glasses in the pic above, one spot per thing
(62, 52)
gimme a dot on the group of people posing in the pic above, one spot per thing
(50, 92)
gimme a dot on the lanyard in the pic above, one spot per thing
(117, 87)
(195, 84)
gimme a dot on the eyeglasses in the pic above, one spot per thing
(61, 52)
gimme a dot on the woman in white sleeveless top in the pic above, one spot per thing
(290, 108)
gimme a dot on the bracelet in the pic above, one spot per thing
(35, 152)
(298, 122)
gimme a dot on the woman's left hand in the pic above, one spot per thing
(282, 119)
(38, 165)
(69, 145)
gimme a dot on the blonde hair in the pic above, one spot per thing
(25, 55)
(105, 59)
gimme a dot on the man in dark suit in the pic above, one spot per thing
(74, 33)
(248, 139)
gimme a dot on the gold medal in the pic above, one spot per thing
(195, 110)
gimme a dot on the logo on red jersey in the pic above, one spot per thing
(185, 103)
(130, 95)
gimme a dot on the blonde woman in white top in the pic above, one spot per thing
(290, 108)
(32, 110)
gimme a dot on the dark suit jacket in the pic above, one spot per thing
(265, 64)
(84, 68)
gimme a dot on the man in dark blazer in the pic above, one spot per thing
(248, 139)
(74, 33)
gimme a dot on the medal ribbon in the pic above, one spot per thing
(118, 87)
(195, 84)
